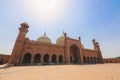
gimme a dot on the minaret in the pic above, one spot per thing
(94, 44)
(99, 52)
(97, 47)
(65, 47)
(18, 46)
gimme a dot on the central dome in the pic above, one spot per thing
(44, 39)
(60, 40)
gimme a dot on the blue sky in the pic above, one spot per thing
(99, 19)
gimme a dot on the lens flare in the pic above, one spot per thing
(46, 11)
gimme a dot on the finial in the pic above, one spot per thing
(45, 33)
(93, 40)
(63, 32)
(79, 38)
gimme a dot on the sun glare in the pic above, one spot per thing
(46, 10)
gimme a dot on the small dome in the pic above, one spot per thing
(44, 39)
(60, 40)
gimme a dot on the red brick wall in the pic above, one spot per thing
(24, 45)
(34, 47)
(4, 58)
(111, 60)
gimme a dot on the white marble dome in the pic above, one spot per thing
(44, 39)
(60, 40)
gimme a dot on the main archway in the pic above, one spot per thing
(74, 54)
(27, 58)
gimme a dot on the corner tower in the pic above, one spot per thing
(18, 46)
(97, 47)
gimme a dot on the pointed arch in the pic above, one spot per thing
(37, 58)
(95, 61)
(54, 58)
(85, 59)
(91, 60)
(88, 60)
(46, 58)
(27, 58)
(74, 54)
(60, 59)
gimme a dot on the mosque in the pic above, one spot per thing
(66, 50)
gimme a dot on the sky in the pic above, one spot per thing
(89, 19)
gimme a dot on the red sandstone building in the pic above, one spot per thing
(111, 60)
(66, 50)
(4, 58)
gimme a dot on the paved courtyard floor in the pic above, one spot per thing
(62, 72)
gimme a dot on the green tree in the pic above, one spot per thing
(118, 57)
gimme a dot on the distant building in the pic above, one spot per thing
(111, 60)
(4, 58)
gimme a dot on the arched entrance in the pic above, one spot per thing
(46, 58)
(27, 58)
(1, 61)
(98, 60)
(60, 59)
(88, 60)
(54, 59)
(85, 60)
(91, 60)
(95, 61)
(74, 54)
(106, 61)
(37, 58)
(110, 61)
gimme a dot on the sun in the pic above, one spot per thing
(46, 10)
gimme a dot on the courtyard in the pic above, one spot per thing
(62, 72)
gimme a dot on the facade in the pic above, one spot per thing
(66, 50)
(4, 58)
